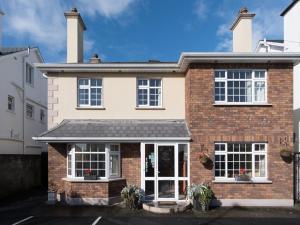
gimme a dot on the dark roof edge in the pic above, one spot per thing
(289, 8)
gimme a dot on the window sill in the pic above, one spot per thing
(11, 111)
(90, 108)
(242, 182)
(150, 108)
(104, 180)
(242, 104)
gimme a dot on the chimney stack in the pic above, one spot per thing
(242, 31)
(95, 59)
(75, 29)
(1, 15)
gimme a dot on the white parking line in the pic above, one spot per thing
(23, 220)
(96, 221)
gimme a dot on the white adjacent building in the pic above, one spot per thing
(23, 114)
(290, 43)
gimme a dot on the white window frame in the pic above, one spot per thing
(71, 153)
(11, 100)
(253, 80)
(88, 87)
(114, 153)
(32, 106)
(147, 87)
(29, 75)
(253, 153)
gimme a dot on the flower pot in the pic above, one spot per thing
(90, 177)
(204, 159)
(242, 177)
(285, 153)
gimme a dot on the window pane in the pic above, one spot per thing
(149, 160)
(220, 91)
(219, 74)
(142, 96)
(83, 81)
(155, 83)
(182, 160)
(95, 96)
(259, 91)
(96, 82)
(142, 82)
(83, 96)
(114, 160)
(260, 165)
(259, 74)
(155, 96)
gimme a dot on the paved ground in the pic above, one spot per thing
(33, 210)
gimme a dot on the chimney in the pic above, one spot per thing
(95, 59)
(1, 15)
(242, 31)
(75, 29)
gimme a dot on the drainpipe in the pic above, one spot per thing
(23, 86)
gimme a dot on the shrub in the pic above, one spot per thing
(201, 194)
(132, 196)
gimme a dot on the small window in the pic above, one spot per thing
(149, 92)
(29, 111)
(11, 103)
(29, 74)
(42, 115)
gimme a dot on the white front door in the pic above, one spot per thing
(164, 171)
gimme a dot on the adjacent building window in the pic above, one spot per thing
(240, 86)
(233, 159)
(89, 92)
(29, 111)
(100, 160)
(149, 92)
(29, 74)
(42, 115)
(11, 103)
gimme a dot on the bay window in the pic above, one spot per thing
(149, 92)
(100, 160)
(240, 86)
(234, 159)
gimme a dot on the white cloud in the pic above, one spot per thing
(40, 21)
(106, 8)
(201, 9)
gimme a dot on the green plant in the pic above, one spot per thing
(202, 194)
(132, 196)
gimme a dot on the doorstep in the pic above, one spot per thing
(166, 207)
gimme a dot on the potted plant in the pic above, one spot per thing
(201, 195)
(204, 158)
(88, 175)
(286, 153)
(243, 176)
(132, 196)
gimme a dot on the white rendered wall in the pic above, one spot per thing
(11, 129)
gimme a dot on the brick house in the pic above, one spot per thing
(149, 124)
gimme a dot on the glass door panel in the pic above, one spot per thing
(149, 160)
(166, 161)
(166, 189)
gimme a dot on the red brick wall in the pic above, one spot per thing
(131, 163)
(57, 170)
(209, 124)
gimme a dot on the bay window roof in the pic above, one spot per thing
(116, 130)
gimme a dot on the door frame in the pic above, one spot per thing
(156, 178)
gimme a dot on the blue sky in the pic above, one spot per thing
(136, 30)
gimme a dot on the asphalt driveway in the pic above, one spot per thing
(34, 210)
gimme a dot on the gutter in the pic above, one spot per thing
(106, 139)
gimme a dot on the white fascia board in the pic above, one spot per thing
(106, 139)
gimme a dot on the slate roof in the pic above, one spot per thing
(7, 51)
(122, 129)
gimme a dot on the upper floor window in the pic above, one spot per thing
(29, 111)
(149, 92)
(29, 74)
(11, 103)
(42, 115)
(89, 92)
(235, 159)
(240, 86)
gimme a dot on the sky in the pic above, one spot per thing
(136, 30)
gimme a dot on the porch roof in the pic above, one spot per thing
(128, 130)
